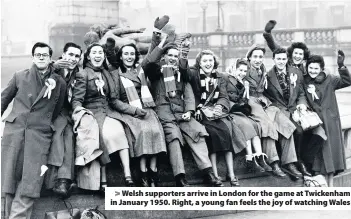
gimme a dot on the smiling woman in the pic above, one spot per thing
(97, 92)
(149, 139)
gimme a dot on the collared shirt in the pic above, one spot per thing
(284, 82)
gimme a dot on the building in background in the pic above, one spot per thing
(58, 21)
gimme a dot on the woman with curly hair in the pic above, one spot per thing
(297, 52)
(212, 109)
(148, 136)
(320, 93)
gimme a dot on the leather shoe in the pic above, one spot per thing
(210, 178)
(181, 181)
(292, 171)
(303, 169)
(62, 187)
(276, 170)
(262, 162)
(253, 167)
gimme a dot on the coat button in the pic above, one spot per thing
(49, 115)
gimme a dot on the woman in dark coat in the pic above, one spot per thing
(320, 91)
(240, 114)
(149, 139)
(96, 90)
(211, 96)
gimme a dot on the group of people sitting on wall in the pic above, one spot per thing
(65, 115)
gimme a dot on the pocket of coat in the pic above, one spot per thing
(10, 118)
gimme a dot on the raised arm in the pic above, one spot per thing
(344, 78)
(61, 99)
(111, 53)
(268, 35)
(8, 93)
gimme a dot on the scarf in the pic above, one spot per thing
(170, 73)
(205, 87)
(132, 93)
(100, 83)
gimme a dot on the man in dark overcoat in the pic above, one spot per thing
(61, 156)
(175, 108)
(38, 96)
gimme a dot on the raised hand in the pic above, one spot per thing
(269, 26)
(341, 58)
(161, 22)
(61, 64)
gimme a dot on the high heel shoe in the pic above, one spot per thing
(128, 181)
(233, 181)
(153, 178)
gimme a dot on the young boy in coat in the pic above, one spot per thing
(175, 106)
(61, 156)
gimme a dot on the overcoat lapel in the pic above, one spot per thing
(272, 77)
(39, 87)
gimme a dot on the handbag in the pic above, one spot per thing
(315, 181)
(243, 108)
(208, 112)
(68, 213)
(307, 119)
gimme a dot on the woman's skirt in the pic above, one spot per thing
(148, 136)
(113, 135)
(219, 139)
(249, 127)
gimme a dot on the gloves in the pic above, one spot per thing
(341, 58)
(269, 26)
(110, 43)
(198, 115)
(140, 113)
(183, 45)
(301, 107)
(169, 29)
(161, 22)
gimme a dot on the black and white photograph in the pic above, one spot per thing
(184, 95)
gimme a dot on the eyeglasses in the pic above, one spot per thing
(38, 55)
